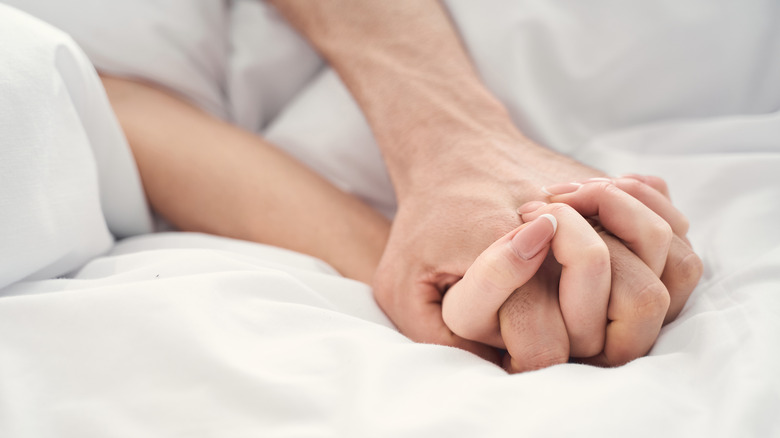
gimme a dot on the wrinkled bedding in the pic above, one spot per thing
(110, 329)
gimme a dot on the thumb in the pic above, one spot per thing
(470, 307)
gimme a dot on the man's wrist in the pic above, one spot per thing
(439, 152)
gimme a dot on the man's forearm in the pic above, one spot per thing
(403, 62)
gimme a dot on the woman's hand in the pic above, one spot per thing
(583, 303)
(622, 205)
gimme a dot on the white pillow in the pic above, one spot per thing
(238, 60)
(179, 44)
(269, 64)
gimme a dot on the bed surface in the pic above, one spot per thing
(180, 334)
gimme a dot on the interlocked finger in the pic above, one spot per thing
(470, 307)
(646, 233)
(584, 286)
(637, 307)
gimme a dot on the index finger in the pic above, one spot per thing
(643, 230)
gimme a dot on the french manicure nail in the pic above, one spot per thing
(529, 241)
(530, 207)
(598, 179)
(560, 189)
(635, 176)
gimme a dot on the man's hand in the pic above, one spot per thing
(434, 238)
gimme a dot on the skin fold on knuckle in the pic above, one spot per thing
(651, 302)
(589, 339)
(557, 209)
(598, 257)
(595, 258)
(607, 189)
(587, 345)
(657, 239)
(552, 208)
(663, 233)
(688, 271)
(618, 355)
(496, 271)
(539, 355)
(520, 327)
(684, 225)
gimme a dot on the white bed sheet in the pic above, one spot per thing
(191, 335)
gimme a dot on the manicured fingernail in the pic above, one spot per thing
(552, 220)
(635, 176)
(560, 189)
(598, 179)
(529, 241)
(530, 207)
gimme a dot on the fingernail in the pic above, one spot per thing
(530, 207)
(598, 179)
(529, 241)
(560, 189)
(635, 176)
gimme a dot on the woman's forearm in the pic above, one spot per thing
(203, 174)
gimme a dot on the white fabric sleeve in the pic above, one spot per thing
(67, 177)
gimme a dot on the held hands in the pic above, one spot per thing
(595, 313)
(460, 169)
(601, 296)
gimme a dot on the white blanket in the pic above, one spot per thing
(189, 335)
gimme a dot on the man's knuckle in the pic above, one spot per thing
(651, 301)
(588, 346)
(682, 225)
(543, 356)
(658, 235)
(688, 271)
(622, 354)
(665, 231)
(661, 230)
